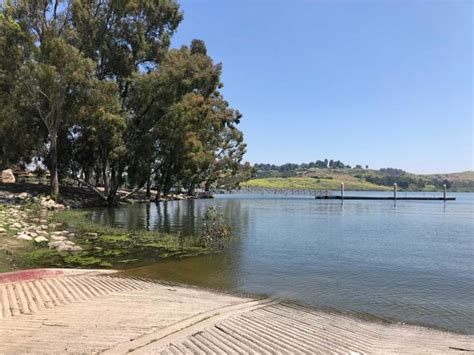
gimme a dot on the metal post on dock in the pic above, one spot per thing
(444, 192)
(395, 191)
(342, 191)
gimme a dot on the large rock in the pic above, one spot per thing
(23, 236)
(24, 196)
(7, 176)
(55, 244)
(58, 238)
(51, 204)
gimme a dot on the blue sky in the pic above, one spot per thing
(383, 83)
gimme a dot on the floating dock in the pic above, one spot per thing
(394, 197)
(328, 195)
(411, 198)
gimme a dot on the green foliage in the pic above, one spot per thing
(214, 230)
(290, 169)
(187, 131)
(357, 179)
(105, 101)
(310, 183)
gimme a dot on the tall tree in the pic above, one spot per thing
(188, 125)
(125, 39)
(18, 139)
(52, 72)
(106, 98)
(49, 87)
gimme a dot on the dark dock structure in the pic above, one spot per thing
(392, 198)
(328, 195)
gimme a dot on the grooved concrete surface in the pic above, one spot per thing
(95, 312)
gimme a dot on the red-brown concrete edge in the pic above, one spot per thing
(33, 274)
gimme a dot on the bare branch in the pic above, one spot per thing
(90, 186)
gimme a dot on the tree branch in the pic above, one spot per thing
(90, 186)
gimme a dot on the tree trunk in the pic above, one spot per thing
(148, 188)
(54, 180)
(113, 187)
(158, 192)
(105, 178)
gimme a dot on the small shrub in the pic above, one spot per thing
(214, 229)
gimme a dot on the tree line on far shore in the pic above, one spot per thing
(383, 177)
(291, 169)
(92, 89)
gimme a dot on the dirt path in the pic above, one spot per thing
(59, 311)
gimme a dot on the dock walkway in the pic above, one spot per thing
(98, 312)
(398, 198)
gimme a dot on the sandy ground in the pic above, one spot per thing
(58, 311)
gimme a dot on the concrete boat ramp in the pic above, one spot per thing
(78, 311)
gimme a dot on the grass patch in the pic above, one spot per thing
(320, 183)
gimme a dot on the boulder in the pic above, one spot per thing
(7, 176)
(24, 196)
(63, 247)
(40, 239)
(58, 238)
(24, 237)
(51, 204)
(56, 244)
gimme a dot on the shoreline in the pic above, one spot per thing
(65, 233)
(361, 315)
(36, 231)
(146, 316)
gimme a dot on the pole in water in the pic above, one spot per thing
(395, 191)
(444, 191)
(342, 191)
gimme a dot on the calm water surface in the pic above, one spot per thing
(411, 261)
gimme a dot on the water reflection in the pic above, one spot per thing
(183, 217)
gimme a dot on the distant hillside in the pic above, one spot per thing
(328, 183)
(318, 175)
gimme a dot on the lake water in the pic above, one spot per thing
(411, 261)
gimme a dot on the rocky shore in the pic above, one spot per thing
(24, 217)
(36, 231)
(81, 197)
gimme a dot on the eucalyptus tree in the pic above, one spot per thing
(51, 72)
(186, 125)
(124, 39)
(17, 139)
(102, 96)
